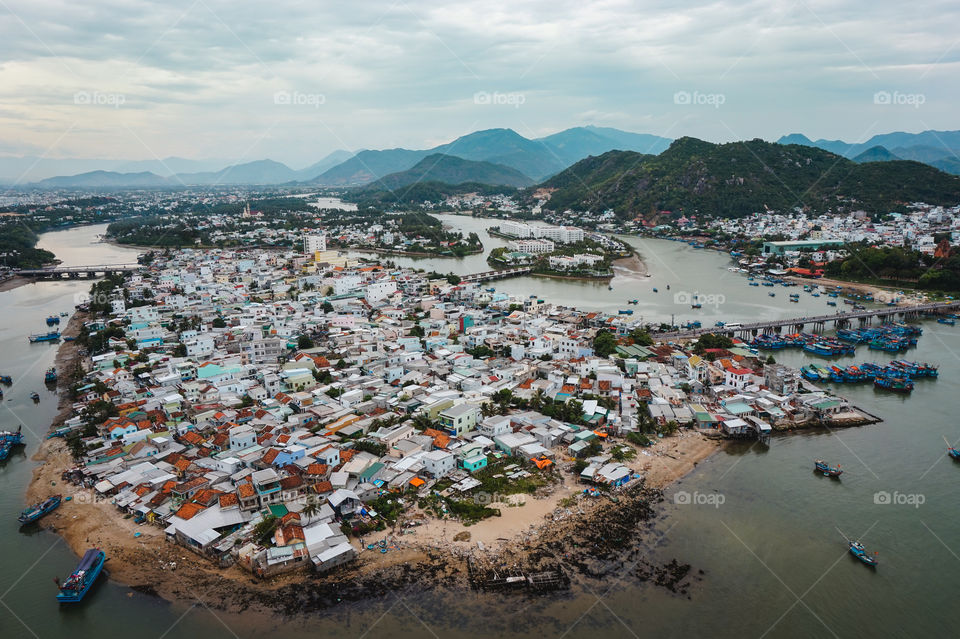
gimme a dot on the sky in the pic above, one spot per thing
(293, 81)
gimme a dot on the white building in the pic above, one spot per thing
(439, 462)
(531, 246)
(314, 243)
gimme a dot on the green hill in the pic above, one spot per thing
(449, 169)
(740, 178)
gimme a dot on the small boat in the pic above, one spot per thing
(952, 451)
(610, 287)
(946, 320)
(825, 468)
(633, 301)
(720, 324)
(35, 396)
(858, 551)
(696, 305)
(754, 283)
(64, 314)
(77, 584)
(53, 319)
(52, 336)
(668, 287)
(772, 294)
(895, 384)
(50, 377)
(831, 303)
(6, 379)
(628, 311)
(69, 339)
(14, 438)
(654, 290)
(35, 512)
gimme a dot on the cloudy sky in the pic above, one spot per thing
(293, 80)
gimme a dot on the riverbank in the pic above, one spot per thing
(14, 282)
(371, 251)
(631, 266)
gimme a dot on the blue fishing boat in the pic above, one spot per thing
(35, 512)
(810, 372)
(5, 449)
(633, 301)
(754, 283)
(52, 320)
(52, 336)
(772, 294)
(858, 551)
(14, 438)
(895, 384)
(625, 311)
(952, 451)
(50, 377)
(946, 320)
(831, 303)
(824, 467)
(35, 396)
(654, 290)
(78, 584)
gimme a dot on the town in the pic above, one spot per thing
(292, 409)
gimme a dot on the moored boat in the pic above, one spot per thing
(35, 512)
(50, 377)
(78, 584)
(52, 336)
(35, 396)
(6, 379)
(895, 384)
(52, 320)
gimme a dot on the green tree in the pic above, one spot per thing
(605, 343)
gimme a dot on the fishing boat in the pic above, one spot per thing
(668, 287)
(35, 512)
(78, 584)
(952, 450)
(52, 336)
(947, 320)
(858, 551)
(810, 372)
(627, 311)
(50, 377)
(14, 438)
(825, 468)
(35, 396)
(633, 301)
(654, 290)
(720, 324)
(52, 320)
(696, 305)
(754, 283)
(773, 294)
(895, 384)
(64, 314)
(6, 379)
(831, 303)
(794, 299)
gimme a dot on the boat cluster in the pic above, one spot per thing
(9, 440)
(896, 375)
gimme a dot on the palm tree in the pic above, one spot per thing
(311, 508)
(536, 402)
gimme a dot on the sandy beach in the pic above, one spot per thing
(631, 266)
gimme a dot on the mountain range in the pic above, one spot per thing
(936, 148)
(534, 158)
(740, 178)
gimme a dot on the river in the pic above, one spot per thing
(761, 526)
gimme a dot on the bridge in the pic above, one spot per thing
(78, 272)
(818, 322)
(496, 275)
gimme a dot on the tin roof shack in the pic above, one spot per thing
(345, 503)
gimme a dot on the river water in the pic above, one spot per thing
(761, 525)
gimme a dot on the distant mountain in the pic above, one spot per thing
(740, 178)
(876, 154)
(449, 169)
(28, 169)
(257, 172)
(327, 163)
(367, 166)
(534, 158)
(936, 148)
(577, 143)
(106, 179)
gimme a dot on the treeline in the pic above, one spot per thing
(895, 264)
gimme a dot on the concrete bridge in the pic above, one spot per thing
(78, 272)
(496, 275)
(818, 322)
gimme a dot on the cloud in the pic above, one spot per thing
(198, 77)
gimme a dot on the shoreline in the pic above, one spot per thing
(150, 564)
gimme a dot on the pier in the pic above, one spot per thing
(78, 272)
(819, 322)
